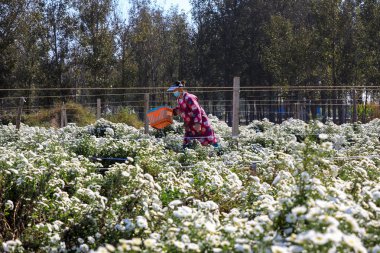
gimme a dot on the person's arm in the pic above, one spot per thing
(176, 110)
(195, 114)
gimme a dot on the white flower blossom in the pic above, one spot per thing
(183, 212)
(9, 205)
(150, 243)
(141, 222)
(279, 249)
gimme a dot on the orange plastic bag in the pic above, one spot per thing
(160, 117)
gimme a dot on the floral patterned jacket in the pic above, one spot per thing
(192, 113)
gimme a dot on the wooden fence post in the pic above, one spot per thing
(298, 114)
(98, 108)
(19, 113)
(355, 109)
(146, 109)
(63, 115)
(235, 107)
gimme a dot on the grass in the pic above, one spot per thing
(51, 117)
(76, 113)
(126, 116)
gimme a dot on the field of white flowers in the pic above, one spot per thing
(314, 188)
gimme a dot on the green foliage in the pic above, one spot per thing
(7, 118)
(126, 116)
(76, 113)
(169, 195)
(86, 146)
(85, 44)
(311, 193)
(368, 111)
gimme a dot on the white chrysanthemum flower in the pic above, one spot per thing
(374, 207)
(128, 225)
(376, 195)
(291, 218)
(334, 234)
(258, 230)
(180, 245)
(183, 212)
(330, 220)
(185, 238)
(91, 240)
(210, 227)
(319, 239)
(305, 236)
(323, 204)
(296, 249)
(376, 249)
(155, 236)
(125, 174)
(279, 249)
(354, 242)
(109, 132)
(141, 222)
(10, 246)
(136, 241)
(229, 228)
(148, 177)
(193, 247)
(298, 210)
(276, 179)
(9, 205)
(242, 247)
(350, 220)
(84, 248)
(175, 203)
(55, 238)
(211, 205)
(110, 247)
(305, 177)
(150, 243)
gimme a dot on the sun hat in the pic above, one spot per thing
(176, 85)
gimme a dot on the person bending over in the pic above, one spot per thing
(196, 123)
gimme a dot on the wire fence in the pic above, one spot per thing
(341, 103)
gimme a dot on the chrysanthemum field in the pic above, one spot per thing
(293, 187)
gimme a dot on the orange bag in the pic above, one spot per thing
(160, 117)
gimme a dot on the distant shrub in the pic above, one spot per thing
(371, 111)
(7, 118)
(126, 116)
(51, 117)
(79, 114)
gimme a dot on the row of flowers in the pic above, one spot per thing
(290, 187)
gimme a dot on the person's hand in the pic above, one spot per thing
(197, 127)
(175, 111)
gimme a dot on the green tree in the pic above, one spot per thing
(96, 40)
(148, 41)
(60, 26)
(29, 50)
(179, 60)
(11, 15)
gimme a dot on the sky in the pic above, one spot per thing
(166, 4)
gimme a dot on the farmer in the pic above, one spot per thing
(196, 122)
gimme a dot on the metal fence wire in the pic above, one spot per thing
(342, 104)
